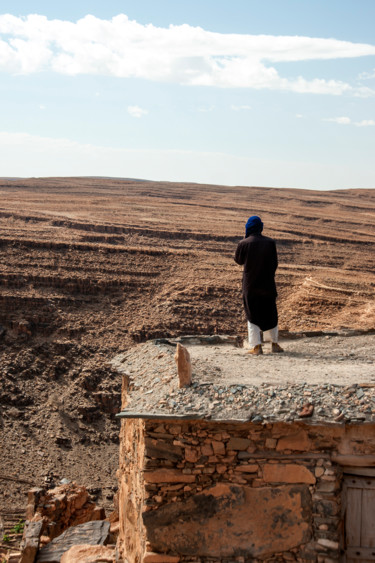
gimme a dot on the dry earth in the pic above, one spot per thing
(89, 267)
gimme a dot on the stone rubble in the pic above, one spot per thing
(154, 389)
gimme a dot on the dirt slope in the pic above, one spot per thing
(90, 267)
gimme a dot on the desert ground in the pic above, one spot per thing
(90, 267)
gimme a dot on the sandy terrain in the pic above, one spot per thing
(90, 267)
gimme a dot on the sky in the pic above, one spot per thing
(240, 92)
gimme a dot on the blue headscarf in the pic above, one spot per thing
(254, 226)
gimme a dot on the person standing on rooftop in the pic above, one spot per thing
(258, 255)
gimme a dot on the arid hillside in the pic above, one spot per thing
(90, 267)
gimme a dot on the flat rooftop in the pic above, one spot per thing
(333, 372)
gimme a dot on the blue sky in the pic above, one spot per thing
(244, 92)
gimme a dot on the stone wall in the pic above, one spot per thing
(242, 492)
(131, 544)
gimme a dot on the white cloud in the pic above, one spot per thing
(136, 111)
(240, 108)
(42, 156)
(340, 120)
(365, 123)
(299, 115)
(205, 109)
(367, 75)
(348, 121)
(182, 54)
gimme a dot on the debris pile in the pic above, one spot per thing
(62, 518)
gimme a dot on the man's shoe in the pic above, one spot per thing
(257, 350)
(276, 348)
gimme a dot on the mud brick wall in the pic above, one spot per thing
(220, 492)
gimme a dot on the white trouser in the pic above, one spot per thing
(255, 336)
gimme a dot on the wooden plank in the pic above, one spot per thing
(360, 554)
(357, 482)
(354, 460)
(368, 519)
(160, 416)
(360, 471)
(353, 517)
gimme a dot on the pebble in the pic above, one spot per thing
(359, 393)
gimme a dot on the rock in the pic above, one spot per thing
(251, 468)
(92, 533)
(62, 507)
(238, 444)
(30, 541)
(319, 471)
(13, 557)
(182, 358)
(191, 454)
(162, 450)
(89, 554)
(216, 522)
(359, 392)
(298, 442)
(151, 557)
(167, 476)
(270, 443)
(218, 447)
(328, 543)
(287, 473)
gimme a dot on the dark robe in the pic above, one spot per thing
(258, 255)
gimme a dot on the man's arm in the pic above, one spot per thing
(239, 256)
(275, 259)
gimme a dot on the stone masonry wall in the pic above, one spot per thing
(131, 543)
(235, 492)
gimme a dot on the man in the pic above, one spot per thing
(258, 255)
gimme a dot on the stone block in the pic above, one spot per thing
(299, 441)
(191, 454)
(326, 508)
(159, 449)
(228, 519)
(13, 557)
(167, 476)
(270, 443)
(253, 468)
(30, 541)
(244, 455)
(92, 533)
(89, 554)
(327, 486)
(151, 557)
(206, 449)
(182, 358)
(218, 447)
(329, 544)
(238, 444)
(287, 473)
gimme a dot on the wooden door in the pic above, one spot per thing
(359, 499)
